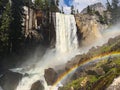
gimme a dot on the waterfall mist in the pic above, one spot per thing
(66, 48)
(106, 34)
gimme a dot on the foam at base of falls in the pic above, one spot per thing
(1, 88)
(66, 42)
(66, 48)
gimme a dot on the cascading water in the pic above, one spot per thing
(66, 42)
(66, 39)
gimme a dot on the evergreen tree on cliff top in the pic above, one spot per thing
(115, 11)
(72, 10)
(115, 4)
(109, 8)
(49, 5)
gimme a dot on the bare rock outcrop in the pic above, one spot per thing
(89, 28)
(96, 7)
(10, 80)
(37, 86)
(50, 76)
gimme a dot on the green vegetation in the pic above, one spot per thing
(115, 4)
(10, 26)
(114, 9)
(110, 16)
(106, 49)
(74, 83)
(102, 19)
(12, 36)
(16, 27)
(108, 6)
(89, 10)
(95, 82)
(5, 21)
(110, 66)
(47, 5)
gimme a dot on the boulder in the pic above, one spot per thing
(37, 86)
(10, 80)
(115, 84)
(50, 76)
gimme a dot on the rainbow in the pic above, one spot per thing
(99, 57)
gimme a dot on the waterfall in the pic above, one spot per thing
(66, 42)
(66, 38)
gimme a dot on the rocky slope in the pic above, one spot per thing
(96, 7)
(94, 74)
(91, 23)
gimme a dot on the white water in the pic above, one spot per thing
(66, 48)
(1, 88)
(66, 38)
(66, 45)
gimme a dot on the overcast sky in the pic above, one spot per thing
(78, 4)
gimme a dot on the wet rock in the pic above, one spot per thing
(77, 60)
(37, 86)
(10, 80)
(26, 75)
(50, 76)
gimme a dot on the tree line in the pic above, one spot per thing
(11, 17)
(112, 7)
(12, 37)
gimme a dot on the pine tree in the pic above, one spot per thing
(72, 10)
(16, 35)
(108, 6)
(39, 4)
(5, 27)
(89, 10)
(62, 11)
(57, 2)
(53, 6)
(115, 11)
(27, 2)
(77, 11)
(115, 4)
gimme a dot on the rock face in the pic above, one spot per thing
(10, 80)
(115, 85)
(89, 69)
(50, 76)
(90, 24)
(96, 7)
(37, 86)
(89, 28)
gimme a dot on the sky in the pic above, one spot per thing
(78, 4)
